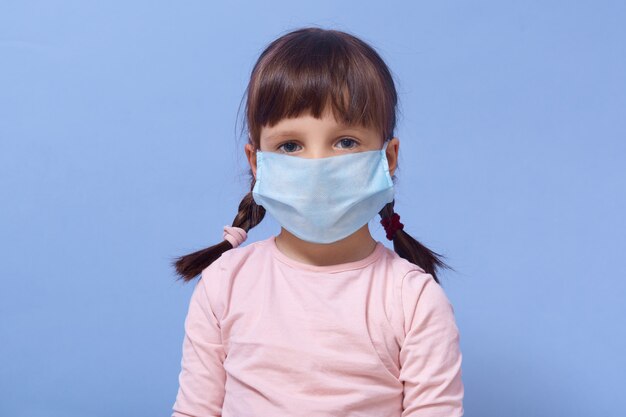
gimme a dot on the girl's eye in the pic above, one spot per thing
(348, 143)
(288, 146)
(345, 143)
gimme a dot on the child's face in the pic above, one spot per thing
(308, 137)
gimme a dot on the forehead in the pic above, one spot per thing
(306, 123)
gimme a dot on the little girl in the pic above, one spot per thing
(320, 320)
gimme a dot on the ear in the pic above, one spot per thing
(251, 157)
(392, 154)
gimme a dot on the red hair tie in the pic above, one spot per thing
(392, 225)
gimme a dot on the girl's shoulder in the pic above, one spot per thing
(411, 281)
(220, 275)
(399, 266)
(236, 258)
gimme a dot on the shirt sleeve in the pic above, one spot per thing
(430, 356)
(202, 376)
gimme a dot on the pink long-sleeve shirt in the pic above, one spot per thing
(269, 336)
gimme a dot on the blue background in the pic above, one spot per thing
(121, 148)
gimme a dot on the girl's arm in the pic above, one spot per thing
(202, 377)
(430, 356)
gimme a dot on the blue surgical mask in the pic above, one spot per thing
(323, 200)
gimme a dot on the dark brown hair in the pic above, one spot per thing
(307, 70)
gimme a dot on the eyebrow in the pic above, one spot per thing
(296, 132)
(283, 133)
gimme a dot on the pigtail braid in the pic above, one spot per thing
(412, 250)
(249, 215)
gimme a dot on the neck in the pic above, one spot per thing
(353, 248)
